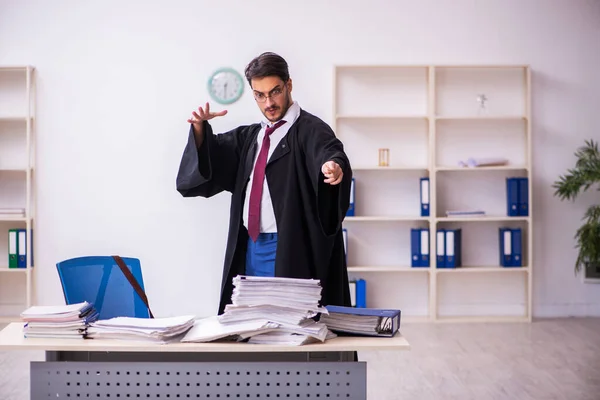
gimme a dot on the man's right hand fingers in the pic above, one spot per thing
(204, 114)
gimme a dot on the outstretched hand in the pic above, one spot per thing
(333, 172)
(204, 114)
(197, 118)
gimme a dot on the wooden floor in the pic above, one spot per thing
(547, 359)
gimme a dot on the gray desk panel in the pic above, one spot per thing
(204, 380)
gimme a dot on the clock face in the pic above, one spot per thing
(226, 86)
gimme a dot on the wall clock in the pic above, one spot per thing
(226, 85)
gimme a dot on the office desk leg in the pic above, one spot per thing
(193, 379)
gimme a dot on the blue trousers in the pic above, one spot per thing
(260, 255)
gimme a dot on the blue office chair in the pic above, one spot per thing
(99, 280)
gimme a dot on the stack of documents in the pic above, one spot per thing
(156, 330)
(267, 310)
(12, 211)
(70, 321)
(483, 162)
(362, 321)
(465, 213)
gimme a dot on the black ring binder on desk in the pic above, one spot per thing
(362, 321)
(386, 325)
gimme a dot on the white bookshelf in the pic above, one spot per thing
(17, 156)
(429, 119)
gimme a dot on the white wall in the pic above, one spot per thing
(117, 80)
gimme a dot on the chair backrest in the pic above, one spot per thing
(99, 280)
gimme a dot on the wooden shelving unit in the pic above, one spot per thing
(429, 118)
(17, 156)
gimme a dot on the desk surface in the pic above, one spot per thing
(11, 338)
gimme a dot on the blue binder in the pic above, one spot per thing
(361, 293)
(517, 248)
(419, 245)
(352, 287)
(512, 197)
(506, 247)
(387, 323)
(523, 197)
(453, 256)
(440, 253)
(424, 245)
(415, 247)
(424, 197)
(350, 212)
(22, 248)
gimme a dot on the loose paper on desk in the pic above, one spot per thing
(209, 329)
(284, 338)
(160, 330)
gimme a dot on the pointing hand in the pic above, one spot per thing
(333, 172)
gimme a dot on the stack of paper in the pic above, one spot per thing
(465, 213)
(483, 162)
(18, 211)
(70, 321)
(267, 310)
(159, 330)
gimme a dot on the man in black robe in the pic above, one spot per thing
(285, 216)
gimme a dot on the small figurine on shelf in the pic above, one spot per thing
(481, 99)
(384, 157)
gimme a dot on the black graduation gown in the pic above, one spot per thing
(309, 212)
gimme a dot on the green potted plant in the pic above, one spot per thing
(586, 174)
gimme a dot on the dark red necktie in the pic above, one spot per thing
(257, 183)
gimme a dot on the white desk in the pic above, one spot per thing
(77, 368)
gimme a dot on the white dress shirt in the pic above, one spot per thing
(267, 215)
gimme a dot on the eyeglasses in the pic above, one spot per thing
(273, 94)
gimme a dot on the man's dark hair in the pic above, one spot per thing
(267, 64)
